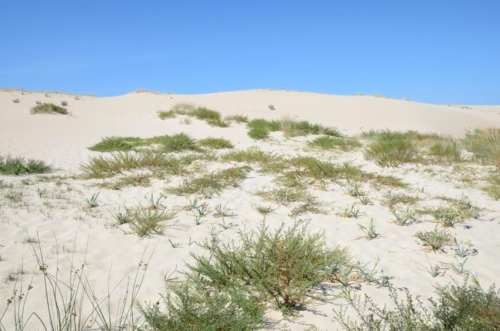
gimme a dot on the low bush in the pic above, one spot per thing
(18, 165)
(48, 108)
(465, 307)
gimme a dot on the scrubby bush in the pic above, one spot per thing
(48, 108)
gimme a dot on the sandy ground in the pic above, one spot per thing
(53, 207)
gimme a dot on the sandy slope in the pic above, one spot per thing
(61, 220)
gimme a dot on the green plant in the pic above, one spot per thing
(390, 149)
(163, 115)
(264, 210)
(64, 103)
(435, 239)
(120, 217)
(144, 221)
(258, 133)
(205, 114)
(182, 108)
(485, 145)
(237, 118)
(462, 250)
(457, 307)
(349, 211)
(154, 203)
(279, 267)
(18, 165)
(327, 142)
(369, 230)
(116, 144)
(215, 143)
(15, 100)
(48, 108)
(448, 216)
(192, 306)
(92, 201)
(435, 270)
(404, 218)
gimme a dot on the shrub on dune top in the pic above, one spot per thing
(48, 108)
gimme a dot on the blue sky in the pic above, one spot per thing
(431, 51)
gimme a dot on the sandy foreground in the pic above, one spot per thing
(53, 206)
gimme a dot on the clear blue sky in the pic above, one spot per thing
(439, 51)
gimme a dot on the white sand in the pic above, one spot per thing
(60, 218)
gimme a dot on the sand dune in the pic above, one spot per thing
(55, 207)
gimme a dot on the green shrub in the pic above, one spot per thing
(456, 307)
(18, 165)
(258, 133)
(48, 108)
(280, 267)
(215, 143)
(191, 306)
(446, 151)
(163, 115)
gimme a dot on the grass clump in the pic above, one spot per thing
(260, 128)
(116, 144)
(163, 115)
(237, 118)
(167, 144)
(176, 143)
(465, 307)
(485, 145)
(390, 149)
(11, 165)
(213, 182)
(215, 143)
(144, 221)
(327, 142)
(103, 167)
(280, 268)
(182, 108)
(48, 108)
(205, 114)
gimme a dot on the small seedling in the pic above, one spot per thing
(369, 230)
(92, 201)
(208, 193)
(120, 217)
(434, 271)
(173, 244)
(222, 211)
(202, 210)
(404, 218)
(349, 211)
(464, 250)
(364, 200)
(354, 190)
(154, 203)
(193, 203)
(264, 210)
(226, 226)
(459, 268)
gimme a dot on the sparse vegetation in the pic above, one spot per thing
(343, 143)
(485, 145)
(260, 128)
(163, 115)
(48, 108)
(435, 239)
(144, 221)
